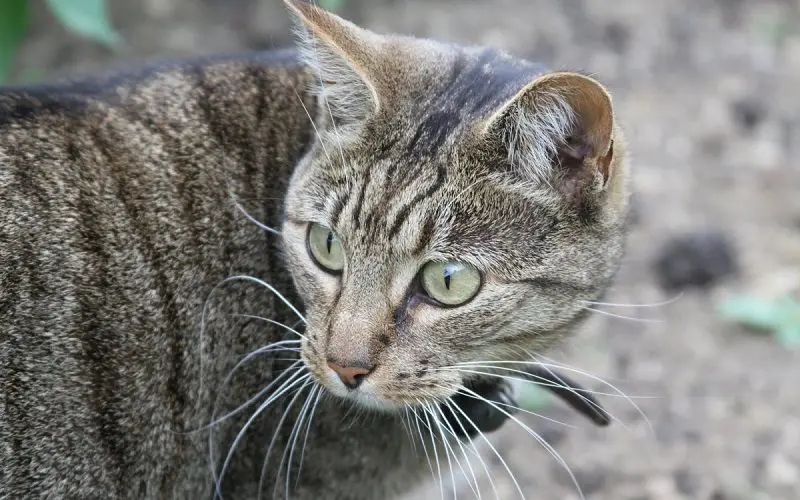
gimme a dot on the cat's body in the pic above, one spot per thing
(119, 217)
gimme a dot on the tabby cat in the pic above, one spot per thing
(270, 275)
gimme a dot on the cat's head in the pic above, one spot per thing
(458, 205)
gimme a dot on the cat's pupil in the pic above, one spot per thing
(329, 241)
(449, 270)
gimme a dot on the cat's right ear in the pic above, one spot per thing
(559, 130)
(342, 55)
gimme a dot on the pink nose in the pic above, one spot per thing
(350, 376)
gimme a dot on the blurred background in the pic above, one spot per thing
(709, 94)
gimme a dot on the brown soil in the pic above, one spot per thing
(709, 93)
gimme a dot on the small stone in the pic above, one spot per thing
(623, 361)
(718, 495)
(780, 471)
(686, 481)
(617, 36)
(698, 259)
(748, 113)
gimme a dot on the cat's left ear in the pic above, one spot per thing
(559, 130)
(343, 57)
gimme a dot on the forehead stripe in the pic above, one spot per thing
(360, 200)
(405, 210)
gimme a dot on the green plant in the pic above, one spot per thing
(330, 4)
(778, 316)
(531, 397)
(87, 18)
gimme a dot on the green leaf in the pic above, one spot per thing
(758, 313)
(332, 5)
(781, 316)
(13, 23)
(789, 336)
(773, 29)
(533, 398)
(87, 18)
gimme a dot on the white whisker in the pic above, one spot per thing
(249, 402)
(491, 446)
(254, 220)
(268, 348)
(292, 369)
(296, 429)
(531, 378)
(449, 402)
(547, 446)
(269, 287)
(548, 383)
(320, 390)
(406, 421)
(289, 384)
(203, 316)
(417, 421)
(272, 442)
(433, 445)
(272, 321)
(449, 428)
(324, 97)
(620, 316)
(313, 125)
(529, 412)
(654, 304)
(619, 391)
(445, 445)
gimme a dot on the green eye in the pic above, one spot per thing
(325, 248)
(451, 283)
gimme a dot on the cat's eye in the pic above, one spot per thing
(449, 282)
(325, 248)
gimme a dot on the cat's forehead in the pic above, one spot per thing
(434, 204)
(433, 97)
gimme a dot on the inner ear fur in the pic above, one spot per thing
(593, 117)
(559, 126)
(343, 56)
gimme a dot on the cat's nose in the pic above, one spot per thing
(351, 376)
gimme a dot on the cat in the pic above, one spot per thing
(281, 274)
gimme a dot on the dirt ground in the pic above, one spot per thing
(709, 93)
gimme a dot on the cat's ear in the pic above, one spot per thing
(559, 129)
(342, 55)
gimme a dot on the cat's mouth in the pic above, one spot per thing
(357, 387)
(381, 392)
(366, 390)
(492, 391)
(383, 387)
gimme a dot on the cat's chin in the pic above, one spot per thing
(364, 398)
(371, 402)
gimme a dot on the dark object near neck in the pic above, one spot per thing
(574, 395)
(484, 416)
